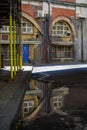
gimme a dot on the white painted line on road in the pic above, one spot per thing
(48, 68)
(57, 67)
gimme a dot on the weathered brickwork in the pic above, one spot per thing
(65, 31)
(72, 1)
(28, 9)
(62, 12)
(57, 13)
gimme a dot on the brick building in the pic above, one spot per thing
(60, 37)
(57, 44)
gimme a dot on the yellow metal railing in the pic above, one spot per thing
(14, 44)
(0, 57)
(11, 48)
(15, 48)
(15, 37)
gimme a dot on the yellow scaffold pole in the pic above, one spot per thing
(0, 56)
(14, 34)
(20, 61)
(17, 38)
(20, 34)
(20, 48)
(17, 62)
(11, 50)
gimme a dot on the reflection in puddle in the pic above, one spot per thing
(44, 103)
(40, 98)
(32, 99)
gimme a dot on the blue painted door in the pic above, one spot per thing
(25, 53)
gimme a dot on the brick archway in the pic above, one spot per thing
(63, 33)
(32, 20)
(66, 19)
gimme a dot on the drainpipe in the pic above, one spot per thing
(49, 37)
(45, 40)
(81, 20)
(48, 97)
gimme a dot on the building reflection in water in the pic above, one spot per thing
(32, 99)
(36, 102)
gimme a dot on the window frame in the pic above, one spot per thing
(28, 106)
(28, 26)
(63, 28)
(5, 29)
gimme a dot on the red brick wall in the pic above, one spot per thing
(31, 11)
(72, 1)
(62, 12)
(28, 9)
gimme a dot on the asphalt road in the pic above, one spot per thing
(75, 103)
(74, 79)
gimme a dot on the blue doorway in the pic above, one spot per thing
(25, 53)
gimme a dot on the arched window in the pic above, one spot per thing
(62, 41)
(61, 28)
(27, 27)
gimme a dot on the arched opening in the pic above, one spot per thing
(31, 40)
(62, 41)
